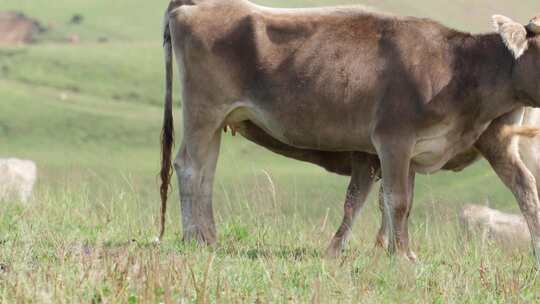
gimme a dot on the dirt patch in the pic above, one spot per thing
(16, 28)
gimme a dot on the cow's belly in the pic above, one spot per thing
(433, 153)
(438, 155)
(305, 132)
(434, 147)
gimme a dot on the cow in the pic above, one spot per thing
(17, 178)
(399, 95)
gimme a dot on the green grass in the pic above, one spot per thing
(90, 116)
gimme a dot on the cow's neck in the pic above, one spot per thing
(486, 66)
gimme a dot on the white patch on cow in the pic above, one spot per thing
(514, 35)
(17, 179)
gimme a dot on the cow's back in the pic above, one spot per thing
(342, 41)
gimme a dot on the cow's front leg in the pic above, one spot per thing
(502, 153)
(382, 235)
(365, 171)
(397, 183)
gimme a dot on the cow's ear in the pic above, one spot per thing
(513, 34)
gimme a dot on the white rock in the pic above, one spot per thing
(17, 178)
(510, 229)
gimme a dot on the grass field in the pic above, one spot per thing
(90, 116)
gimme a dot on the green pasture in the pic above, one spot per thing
(90, 115)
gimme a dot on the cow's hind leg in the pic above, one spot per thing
(502, 153)
(365, 171)
(195, 167)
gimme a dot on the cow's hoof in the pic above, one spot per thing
(411, 256)
(335, 249)
(200, 237)
(408, 256)
(332, 252)
(381, 243)
(404, 255)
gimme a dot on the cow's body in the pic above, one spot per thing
(17, 179)
(365, 86)
(279, 75)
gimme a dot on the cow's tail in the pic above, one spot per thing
(167, 133)
(523, 131)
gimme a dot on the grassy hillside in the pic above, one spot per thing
(89, 114)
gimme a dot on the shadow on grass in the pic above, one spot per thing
(243, 250)
(238, 250)
(280, 252)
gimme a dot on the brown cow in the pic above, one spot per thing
(407, 91)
